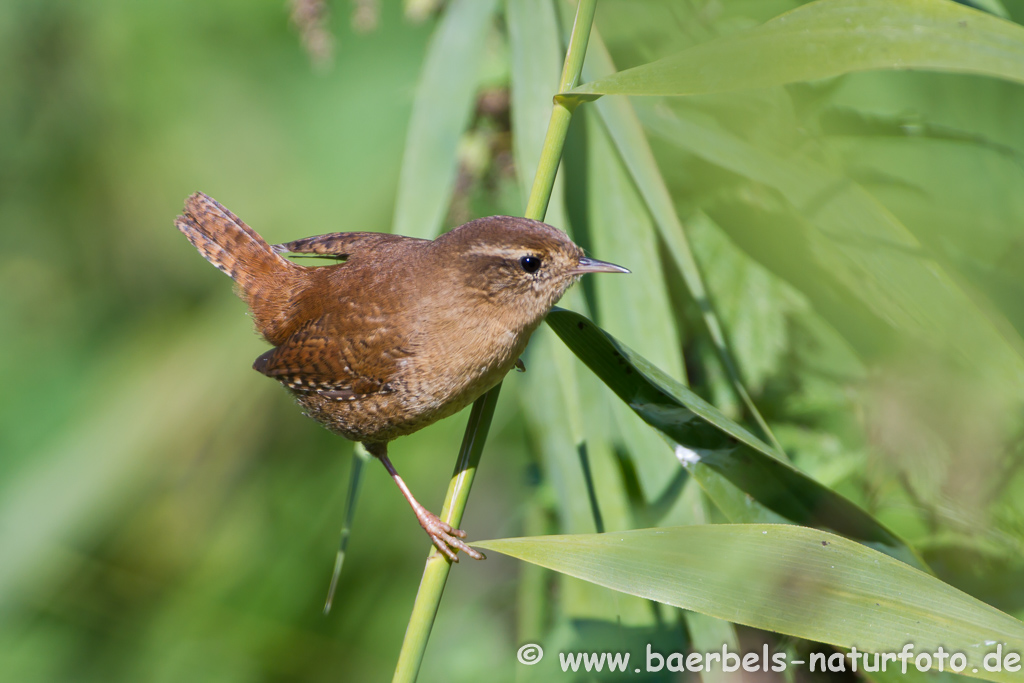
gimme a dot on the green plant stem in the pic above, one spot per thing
(435, 573)
(550, 157)
(561, 113)
(360, 457)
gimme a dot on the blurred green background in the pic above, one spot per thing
(166, 514)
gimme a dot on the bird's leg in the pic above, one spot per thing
(446, 539)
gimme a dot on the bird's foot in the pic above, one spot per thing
(446, 539)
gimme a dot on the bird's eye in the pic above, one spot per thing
(530, 263)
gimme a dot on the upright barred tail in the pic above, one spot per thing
(265, 279)
(227, 242)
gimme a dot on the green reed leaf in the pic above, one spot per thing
(787, 579)
(706, 436)
(829, 38)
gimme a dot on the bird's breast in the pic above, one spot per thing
(466, 359)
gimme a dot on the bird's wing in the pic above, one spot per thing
(342, 245)
(340, 362)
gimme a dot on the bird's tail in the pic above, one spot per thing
(264, 277)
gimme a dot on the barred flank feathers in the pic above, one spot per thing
(236, 249)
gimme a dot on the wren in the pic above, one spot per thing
(403, 331)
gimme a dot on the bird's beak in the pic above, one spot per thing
(591, 265)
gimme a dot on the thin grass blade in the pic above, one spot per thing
(359, 458)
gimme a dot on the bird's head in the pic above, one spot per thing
(520, 265)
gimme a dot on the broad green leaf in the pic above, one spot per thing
(535, 50)
(588, 494)
(570, 422)
(553, 408)
(628, 135)
(829, 38)
(848, 241)
(568, 417)
(964, 201)
(535, 56)
(910, 105)
(787, 579)
(751, 302)
(441, 111)
(534, 66)
(708, 437)
(620, 230)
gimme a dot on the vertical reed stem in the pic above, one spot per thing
(435, 574)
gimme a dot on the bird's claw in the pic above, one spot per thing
(447, 539)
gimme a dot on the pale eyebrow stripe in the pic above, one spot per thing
(491, 251)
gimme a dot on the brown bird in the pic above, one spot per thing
(404, 331)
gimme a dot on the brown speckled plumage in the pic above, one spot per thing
(402, 332)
